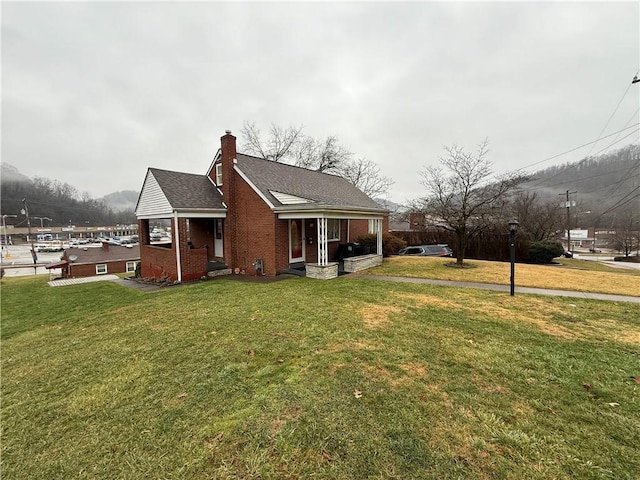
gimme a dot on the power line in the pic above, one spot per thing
(576, 148)
(611, 116)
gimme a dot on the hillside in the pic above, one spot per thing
(123, 200)
(608, 185)
(60, 202)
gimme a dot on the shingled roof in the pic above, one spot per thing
(104, 254)
(187, 190)
(318, 188)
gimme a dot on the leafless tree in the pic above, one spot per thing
(366, 175)
(626, 238)
(279, 145)
(321, 155)
(539, 220)
(462, 197)
(291, 145)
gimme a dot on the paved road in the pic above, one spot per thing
(506, 288)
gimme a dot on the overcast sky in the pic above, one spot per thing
(95, 93)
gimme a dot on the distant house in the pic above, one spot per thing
(90, 261)
(254, 216)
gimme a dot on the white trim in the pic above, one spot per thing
(333, 238)
(322, 242)
(255, 189)
(328, 213)
(176, 236)
(126, 267)
(288, 199)
(215, 159)
(218, 173)
(194, 213)
(302, 241)
(101, 265)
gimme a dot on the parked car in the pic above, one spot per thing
(427, 251)
(568, 254)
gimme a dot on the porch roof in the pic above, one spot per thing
(166, 192)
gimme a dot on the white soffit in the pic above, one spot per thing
(286, 199)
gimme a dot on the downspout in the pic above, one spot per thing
(177, 242)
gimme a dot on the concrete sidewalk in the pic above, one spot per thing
(506, 288)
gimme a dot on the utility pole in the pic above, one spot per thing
(25, 211)
(568, 205)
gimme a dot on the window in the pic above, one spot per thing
(218, 174)
(101, 268)
(333, 229)
(373, 226)
(131, 266)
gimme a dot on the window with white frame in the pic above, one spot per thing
(101, 268)
(373, 226)
(131, 266)
(333, 229)
(218, 174)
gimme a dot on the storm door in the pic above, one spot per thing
(296, 241)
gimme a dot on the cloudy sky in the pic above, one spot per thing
(95, 93)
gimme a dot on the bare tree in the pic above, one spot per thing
(539, 220)
(280, 144)
(462, 198)
(292, 146)
(321, 155)
(626, 238)
(366, 175)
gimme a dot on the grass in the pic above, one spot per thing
(568, 274)
(341, 379)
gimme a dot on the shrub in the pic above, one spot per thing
(544, 252)
(390, 243)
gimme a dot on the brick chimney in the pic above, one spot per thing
(228, 158)
(105, 246)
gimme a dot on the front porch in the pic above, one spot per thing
(322, 247)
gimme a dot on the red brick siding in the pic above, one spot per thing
(89, 270)
(193, 262)
(158, 262)
(201, 234)
(256, 231)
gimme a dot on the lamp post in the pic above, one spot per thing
(25, 211)
(4, 233)
(513, 228)
(42, 220)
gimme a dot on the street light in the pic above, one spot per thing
(42, 219)
(513, 228)
(4, 233)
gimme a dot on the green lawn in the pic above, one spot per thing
(567, 274)
(341, 379)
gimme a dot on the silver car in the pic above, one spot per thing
(427, 251)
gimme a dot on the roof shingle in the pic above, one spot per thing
(188, 190)
(321, 188)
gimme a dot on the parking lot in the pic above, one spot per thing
(17, 260)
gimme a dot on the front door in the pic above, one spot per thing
(217, 238)
(296, 241)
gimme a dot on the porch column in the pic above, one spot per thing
(176, 243)
(379, 234)
(322, 242)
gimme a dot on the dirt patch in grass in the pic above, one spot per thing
(422, 300)
(497, 311)
(415, 369)
(377, 316)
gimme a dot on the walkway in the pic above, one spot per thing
(76, 281)
(506, 288)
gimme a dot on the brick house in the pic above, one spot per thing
(253, 216)
(90, 261)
